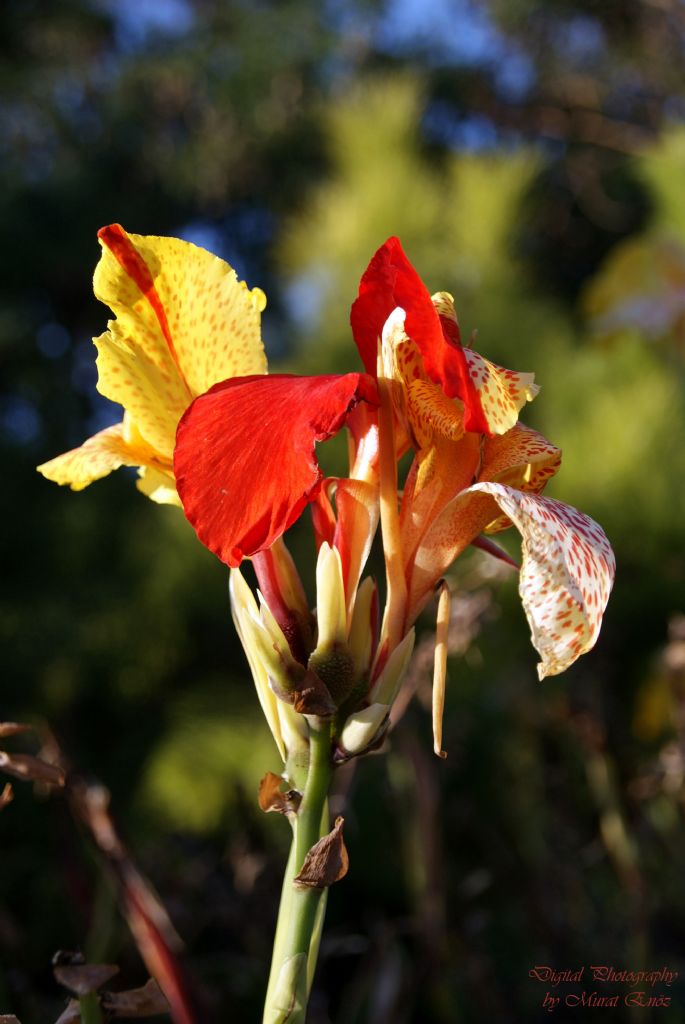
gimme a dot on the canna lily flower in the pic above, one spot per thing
(476, 468)
(183, 322)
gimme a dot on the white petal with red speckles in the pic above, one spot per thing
(566, 576)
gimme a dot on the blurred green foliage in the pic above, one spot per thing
(292, 138)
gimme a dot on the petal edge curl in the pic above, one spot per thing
(566, 575)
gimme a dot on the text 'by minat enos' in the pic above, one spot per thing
(628, 988)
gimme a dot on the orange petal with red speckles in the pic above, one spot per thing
(521, 458)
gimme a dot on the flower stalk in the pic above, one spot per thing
(301, 907)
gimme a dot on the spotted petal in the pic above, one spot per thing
(391, 281)
(521, 458)
(181, 306)
(491, 396)
(244, 461)
(566, 575)
(501, 393)
(95, 458)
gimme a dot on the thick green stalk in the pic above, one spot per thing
(89, 1006)
(299, 919)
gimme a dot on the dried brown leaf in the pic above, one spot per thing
(326, 862)
(309, 695)
(85, 978)
(31, 769)
(72, 1014)
(6, 797)
(12, 729)
(272, 798)
(148, 1001)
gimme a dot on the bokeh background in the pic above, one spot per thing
(531, 156)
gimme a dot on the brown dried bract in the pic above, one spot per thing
(326, 862)
(273, 798)
(85, 978)
(31, 769)
(309, 695)
(72, 1014)
(148, 1001)
(12, 729)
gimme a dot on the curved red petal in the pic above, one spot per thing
(244, 460)
(391, 281)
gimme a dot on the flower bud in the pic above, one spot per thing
(270, 661)
(387, 685)
(362, 728)
(363, 626)
(330, 599)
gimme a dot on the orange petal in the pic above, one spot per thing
(566, 576)
(521, 458)
(356, 502)
(502, 393)
(447, 534)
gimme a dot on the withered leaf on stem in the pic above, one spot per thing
(72, 1014)
(148, 1001)
(85, 978)
(309, 695)
(6, 797)
(31, 769)
(272, 798)
(12, 729)
(326, 862)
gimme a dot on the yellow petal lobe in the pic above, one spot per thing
(95, 458)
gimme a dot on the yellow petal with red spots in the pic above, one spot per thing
(182, 306)
(96, 457)
(502, 393)
(422, 406)
(443, 303)
(566, 574)
(430, 412)
(155, 399)
(521, 458)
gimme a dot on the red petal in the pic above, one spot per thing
(391, 281)
(244, 460)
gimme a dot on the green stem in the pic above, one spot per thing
(299, 920)
(89, 1006)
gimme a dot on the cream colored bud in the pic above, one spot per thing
(361, 627)
(361, 727)
(388, 683)
(279, 641)
(245, 615)
(331, 612)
